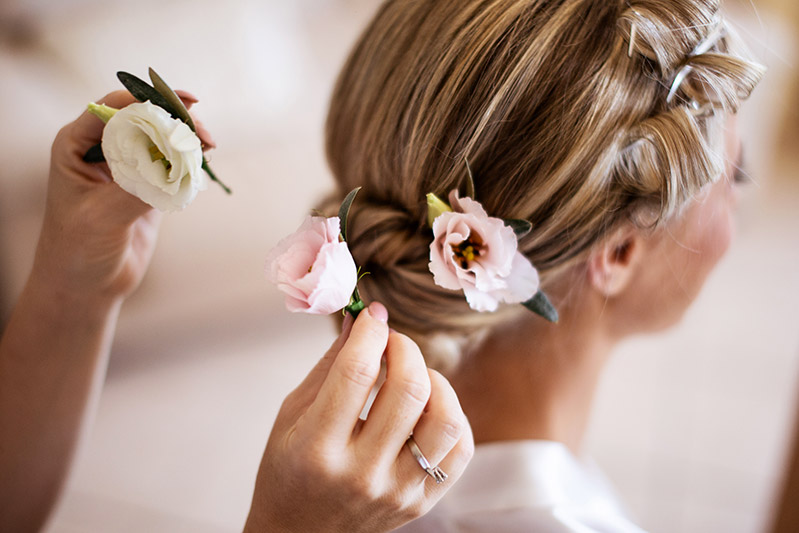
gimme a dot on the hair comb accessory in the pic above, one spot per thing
(718, 33)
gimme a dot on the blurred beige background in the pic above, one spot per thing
(691, 425)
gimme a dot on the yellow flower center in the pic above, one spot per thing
(156, 155)
(468, 250)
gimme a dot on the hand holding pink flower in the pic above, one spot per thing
(479, 255)
(314, 268)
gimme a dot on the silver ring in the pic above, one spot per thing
(433, 471)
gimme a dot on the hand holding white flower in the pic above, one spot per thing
(152, 148)
(154, 156)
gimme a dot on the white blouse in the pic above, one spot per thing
(526, 486)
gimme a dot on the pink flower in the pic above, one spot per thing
(314, 268)
(479, 255)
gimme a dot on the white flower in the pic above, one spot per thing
(154, 156)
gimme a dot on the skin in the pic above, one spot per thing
(360, 475)
(95, 246)
(549, 374)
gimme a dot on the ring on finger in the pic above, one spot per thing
(433, 471)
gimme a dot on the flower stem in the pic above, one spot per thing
(355, 308)
(356, 304)
(213, 177)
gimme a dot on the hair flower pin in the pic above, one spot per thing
(314, 267)
(479, 255)
(152, 147)
(470, 251)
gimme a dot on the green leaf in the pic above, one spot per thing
(173, 99)
(540, 305)
(143, 91)
(94, 154)
(344, 211)
(469, 180)
(213, 177)
(519, 227)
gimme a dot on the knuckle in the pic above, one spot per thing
(397, 503)
(446, 409)
(422, 500)
(410, 370)
(374, 332)
(416, 388)
(421, 508)
(364, 488)
(358, 372)
(451, 426)
(61, 137)
(464, 450)
(290, 407)
(406, 344)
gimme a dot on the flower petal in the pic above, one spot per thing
(523, 282)
(127, 139)
(313, 267)
(337, 280)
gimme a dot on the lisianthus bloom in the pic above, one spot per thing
(314, 268)
(154, 156)
(479, 255)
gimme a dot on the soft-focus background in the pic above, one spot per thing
(692, 425)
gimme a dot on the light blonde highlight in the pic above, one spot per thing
(561, 126)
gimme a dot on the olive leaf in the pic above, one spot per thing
(172, 98)
(143, 91)
(94, 154)
(469, 180)
(519, 227)
(344, 211)
(540, 305)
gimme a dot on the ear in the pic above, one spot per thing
(611, 265)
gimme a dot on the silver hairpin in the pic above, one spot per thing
(633, 35)
(719, 31)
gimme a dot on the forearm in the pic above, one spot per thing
(53, 356)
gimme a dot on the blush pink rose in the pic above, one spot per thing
(314, 268)
(479, 255)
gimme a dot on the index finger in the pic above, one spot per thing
(341, 398)
(87, 129)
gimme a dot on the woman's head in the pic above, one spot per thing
(561, 109)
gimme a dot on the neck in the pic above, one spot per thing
(535, 380)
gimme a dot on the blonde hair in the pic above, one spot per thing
(561, 114)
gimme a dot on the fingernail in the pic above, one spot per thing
(204, 135)
(378, 311)
(186, 95)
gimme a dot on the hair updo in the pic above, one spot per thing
(560, 108)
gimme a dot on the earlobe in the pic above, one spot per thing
(612, 263)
